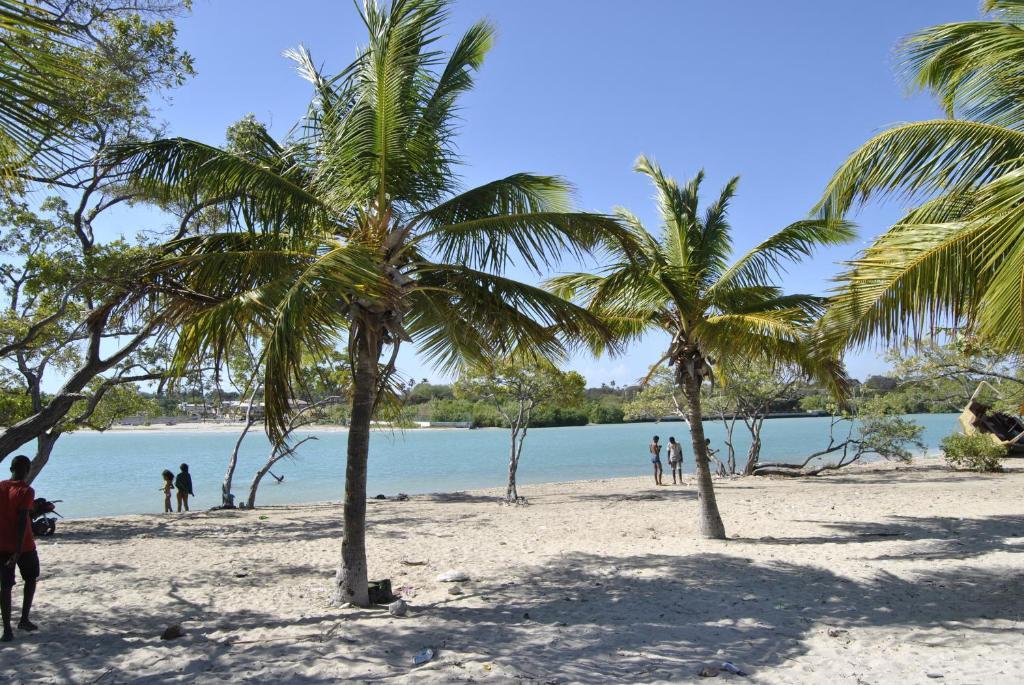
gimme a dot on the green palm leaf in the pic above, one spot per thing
(922, 159)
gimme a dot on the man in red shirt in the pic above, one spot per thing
(17, 546)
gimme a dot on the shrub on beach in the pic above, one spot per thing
(973, 453)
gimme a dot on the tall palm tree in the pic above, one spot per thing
(957, 257)
(357, 231)
(684, 285)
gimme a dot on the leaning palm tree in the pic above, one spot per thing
(356, 232)
(684, 285)
(956, 258)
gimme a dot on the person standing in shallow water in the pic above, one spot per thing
(675, 459)
(17, 546)
(655, 450)
(183, 484)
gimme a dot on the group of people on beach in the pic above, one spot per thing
(675, 458)
(181, 484)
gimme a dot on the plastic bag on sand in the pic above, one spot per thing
(423, 657)
(732, 668)
(453, 576)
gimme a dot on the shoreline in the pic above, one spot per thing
(933, 460)
(236, 426)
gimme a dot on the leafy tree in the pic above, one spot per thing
(355, 229)
(682, 284)
(874, 430)
(425, 392)
(750, 393)
(941, 376)
(73, 303)
(607, 410)
(517, 389)
(657, 399)
(957, 257)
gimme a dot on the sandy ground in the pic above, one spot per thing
(875, 575)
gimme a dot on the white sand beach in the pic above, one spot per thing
(879, 574)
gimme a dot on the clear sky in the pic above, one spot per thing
(776, 92)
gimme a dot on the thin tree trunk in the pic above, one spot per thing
(754, 453)
(732, 448)
(276, 455)
(711, 525)
(352, 578)
(250, 501)
(513, 463)
(44, 448)
(225, 488)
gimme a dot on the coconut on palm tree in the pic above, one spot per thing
(957, 257)
(356, 231)
(682, 283)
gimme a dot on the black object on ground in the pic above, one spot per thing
(380, 591)
(172, 632)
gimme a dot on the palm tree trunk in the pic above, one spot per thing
(711, 525)
(352, 578)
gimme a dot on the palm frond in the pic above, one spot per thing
(678, 208)
(794, 242)
(974, 67)
(462, 314)
(713, 249)
(379, 149)
(923, 159)
(907, 283)
(778, 337)
(523, 216)
(193, 169)
(33, 74)
(623, 290)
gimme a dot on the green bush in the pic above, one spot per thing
(605, 413)
(973, 452)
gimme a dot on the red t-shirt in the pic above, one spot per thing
(15, 497)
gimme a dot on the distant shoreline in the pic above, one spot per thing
(236, 426)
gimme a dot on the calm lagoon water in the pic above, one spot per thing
(103, 474)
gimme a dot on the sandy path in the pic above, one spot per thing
(873, 576)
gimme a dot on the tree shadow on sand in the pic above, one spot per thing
(228, 532)
(582, 618)
(944, 537)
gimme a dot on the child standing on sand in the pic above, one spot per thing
(655, 449)
(167, 487)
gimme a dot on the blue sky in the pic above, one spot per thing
(778, 93)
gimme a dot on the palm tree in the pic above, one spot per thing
(684, 285)
(356, 231)
(957, 257)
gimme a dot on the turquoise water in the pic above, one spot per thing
(102, 474)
